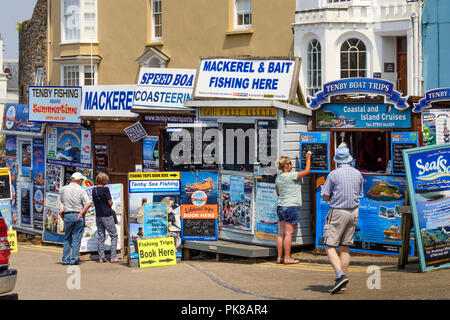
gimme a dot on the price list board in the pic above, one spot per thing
(319, 145)
(401, 141)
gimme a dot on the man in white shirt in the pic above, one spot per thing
(74, 204)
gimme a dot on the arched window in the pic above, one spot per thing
(353, 59)
(314, 68)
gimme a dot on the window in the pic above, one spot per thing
(156, 20)
(353, 59)
(314, 68)
(243, 14)
(78, 75)
(39, 77)
(79, 20)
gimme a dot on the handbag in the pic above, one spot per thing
(113, 213)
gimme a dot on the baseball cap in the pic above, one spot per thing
(77, 176)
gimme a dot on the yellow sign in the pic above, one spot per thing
(4, 172)
(238, 112)
(154, 175)
(157, 252)
(12, 239)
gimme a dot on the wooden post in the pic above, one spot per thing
(406, 226)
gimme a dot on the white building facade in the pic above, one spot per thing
(358, 38)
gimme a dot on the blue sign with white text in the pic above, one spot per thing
(428, 173)
(431, 96)
(359, 85)
(16, 119)
(370, 115)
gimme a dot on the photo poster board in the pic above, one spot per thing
(69, 147)
(266, 211)
(155, 220)
(150, 153)
(401, 141)
(89, 241)
(10, 162)
(379, 221)
(53, 223)
(199, 206)
(319, 145)
(237, 203)
(436, 126)
(148, 188)
(5, 184)
(5, 213)
(38, 183)
(428, 173)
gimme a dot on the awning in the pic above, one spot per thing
(249, 103)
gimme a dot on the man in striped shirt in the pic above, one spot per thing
(342, 189)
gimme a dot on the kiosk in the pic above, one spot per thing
(376, 123)
(24, 144)
(246, 119)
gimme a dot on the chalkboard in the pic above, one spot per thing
(319, 145)
(397, 156)
(5, 184)
(319, 157)
(199, 228)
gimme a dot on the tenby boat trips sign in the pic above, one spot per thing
(359, 85)
(435, 95)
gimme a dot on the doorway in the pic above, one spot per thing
(402, 65)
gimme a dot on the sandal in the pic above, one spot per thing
(291, 261)
(116, 260)
(280, 260)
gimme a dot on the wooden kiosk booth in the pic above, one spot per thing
(376, 123)
(245, 108)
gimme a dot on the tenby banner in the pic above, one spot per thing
(359, 85)
(435, 95)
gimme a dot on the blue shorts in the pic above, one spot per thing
(288, 214)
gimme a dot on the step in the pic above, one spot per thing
(231, 248)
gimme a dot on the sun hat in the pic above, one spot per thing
(343, 155)
(77, 176)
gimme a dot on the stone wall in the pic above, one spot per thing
(32, 49)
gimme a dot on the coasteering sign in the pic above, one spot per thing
(359, 85)
(431, 96)
(160, 88)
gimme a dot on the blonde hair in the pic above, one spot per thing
(102, 178)
(282, 161)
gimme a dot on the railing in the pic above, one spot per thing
(357, 14)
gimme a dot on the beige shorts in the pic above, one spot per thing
(340, 226)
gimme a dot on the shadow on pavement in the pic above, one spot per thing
(319, 288)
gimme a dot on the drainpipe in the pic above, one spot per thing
(48, 40)
(415, 34)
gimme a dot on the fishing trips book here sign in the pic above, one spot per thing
(428, 174)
